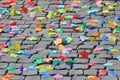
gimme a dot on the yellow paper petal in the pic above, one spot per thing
(111, 7)
(105, 11)
(114, 50)
(91, 76)
(48, 67)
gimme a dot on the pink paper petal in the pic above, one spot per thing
(30, 9)
(25, 69)
(32, 16)
(109, 34)
(5, 79)
(0, 16)
(99, 49)
(11, 32)
(57, 35)
(1, 54)
(69, 49)
(58, 76)
(74, 5)
(14, 27)
(98, 1)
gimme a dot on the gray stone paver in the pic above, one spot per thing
(40, 47)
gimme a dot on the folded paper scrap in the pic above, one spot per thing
(98, 1)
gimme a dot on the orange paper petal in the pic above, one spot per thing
(58, 41)
(61, 47)
(96, 34)
(9, 76)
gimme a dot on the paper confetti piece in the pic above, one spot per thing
(108, 64)
(46, 76)
(1, 54)
(47, 59)
(98, 49)
(21, 37)
(98, 1)
(31, 2)
(32, 67)
(112, 73)
(84, 54)
(118, 57)
(15, 46)
(48, 67)
(52, 51)
(43, 71)
(13, 55)
(24, 9)
(58, 41)
(61, 47)
(57, 62)
(10, 2)
(56, 2)
(5, 78)
(4, 25)
(9, 68)
(93, 78)
(83, 38)
(96, 34)
(102, 72)
(58, 76)
(63, 57)
(90, 64)
(92, 11)
(9, 76)
(12, 12)
(76, 1)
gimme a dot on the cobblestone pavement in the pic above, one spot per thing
(105, 57)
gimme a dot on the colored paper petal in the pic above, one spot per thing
(43, 70)
(98, 1)
(24, 9)
(58, 76)
(102, 72)
(31, 2)
(52, 51)
(84, 54)
(118, 57)
(63, 57)
(108, 64)
(112, 73)
(46, 76)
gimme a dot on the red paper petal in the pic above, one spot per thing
(94, 78)
(25, 10)
(67, 6)
(2, 46)
(38, 24)
(8, 2)
(75, 16)
(84, 54)
(76, 30)
(12, 23)
(31, 2)
(102, 72)
(90, 64)
(12, 1)
(56, 3)
(3, 25)
(68, 24)
(63, 57)
(4, 2)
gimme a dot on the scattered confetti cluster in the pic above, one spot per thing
(59, 40)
